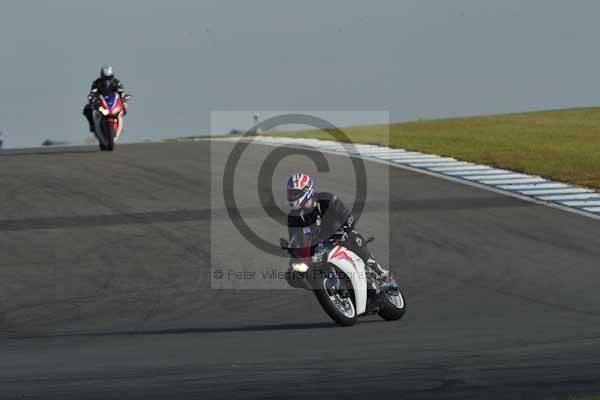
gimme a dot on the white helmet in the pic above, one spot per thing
(107, 72)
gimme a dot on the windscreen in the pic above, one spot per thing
(110, 98)
(304, 240)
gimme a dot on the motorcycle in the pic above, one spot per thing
(108, 110)
(345, 287)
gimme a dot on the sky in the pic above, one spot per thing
(182, 60)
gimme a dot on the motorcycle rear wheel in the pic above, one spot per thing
(393, 306)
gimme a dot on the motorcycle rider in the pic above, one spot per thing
(325, 210)
(105, 83)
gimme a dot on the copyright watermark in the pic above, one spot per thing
(249, 211)
(275, 274)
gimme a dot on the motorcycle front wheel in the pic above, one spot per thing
(335, 294)
(109, 136)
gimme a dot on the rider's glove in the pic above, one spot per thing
(344, 231)
(93, 94)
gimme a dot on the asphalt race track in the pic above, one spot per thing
(105, 286)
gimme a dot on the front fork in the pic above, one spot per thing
(334, 285)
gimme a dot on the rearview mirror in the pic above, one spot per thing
(371, 239)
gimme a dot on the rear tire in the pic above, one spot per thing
(393, 307)
(329, 302)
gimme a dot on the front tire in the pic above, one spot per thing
(109, 136)
(340, 307)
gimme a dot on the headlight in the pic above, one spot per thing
(103, 111)
(299, 267)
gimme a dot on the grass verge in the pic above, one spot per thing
(563, 145)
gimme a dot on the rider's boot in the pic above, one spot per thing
(384, 274)
(387, 283)
(91, 123)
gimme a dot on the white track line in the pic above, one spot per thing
(512, 181)
(534, 186)
(372, 152)
(425, 159)
(407, 154)
(555, 191)
(390, 156)
(490, 171)
(576, 200)
(570, 197)
(495, 177)
(447, 170)
(580, 203)
(444, 164)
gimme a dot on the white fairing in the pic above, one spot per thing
(120, 128)
(355, 270)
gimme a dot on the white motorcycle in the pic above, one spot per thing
(345, 287)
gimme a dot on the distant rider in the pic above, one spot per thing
(311, 209)
(105, 83)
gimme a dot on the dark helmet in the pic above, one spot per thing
(107, 72)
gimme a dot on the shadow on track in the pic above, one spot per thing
(18, 153)
(188, 215)
(184, 331)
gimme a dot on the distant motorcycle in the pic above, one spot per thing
(107, 111)
(345, 287)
